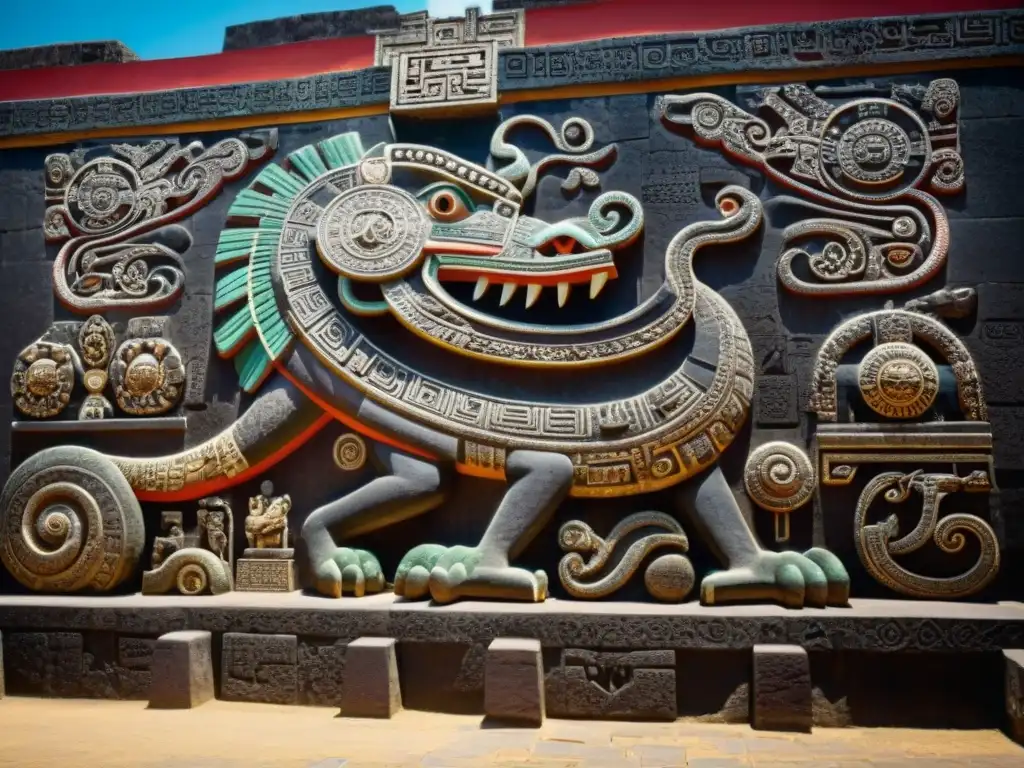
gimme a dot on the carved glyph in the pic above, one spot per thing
(111, 212)
(43, 379)
(879, 543)
(779, 477)
(859, 167)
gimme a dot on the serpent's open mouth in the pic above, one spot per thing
(560, 265)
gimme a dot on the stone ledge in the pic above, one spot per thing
(67, 55)
(871, 625)
(813, 48)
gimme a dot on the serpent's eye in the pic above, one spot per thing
(445, 205)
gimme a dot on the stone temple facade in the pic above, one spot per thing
(555, 361)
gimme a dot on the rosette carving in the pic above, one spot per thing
(148, 377)
(43, 378)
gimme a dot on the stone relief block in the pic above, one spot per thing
(637, 685)
(776, 404)
(371, 686)
(321, 669)
(259, 668)
(514, 681)
(70, 664)
(1014, 690)
(182, 671)
(782, 688)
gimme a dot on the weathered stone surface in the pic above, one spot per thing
(815, 46)
(67, 55)
(309, 26)
(182, 670)
(371, 686)
(638, 685)
(514, 681)
(265, 575)
(321, 663)
(890, 627)
(261, 668)
(781, 688)
(1014, 661)
(74, 664)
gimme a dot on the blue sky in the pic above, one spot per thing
(161, 29)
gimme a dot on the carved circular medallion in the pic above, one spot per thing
(147, 376)
(873, 148)
(43, 378)
(350, 452)
(192, 579)
(372, 233)
(779, 477)
(898, 380)
(103, 195)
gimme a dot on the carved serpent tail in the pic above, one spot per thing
(578, 537)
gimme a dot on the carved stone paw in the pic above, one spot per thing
(447, 574)
(348, 570)
(814, 579)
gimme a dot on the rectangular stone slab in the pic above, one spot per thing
(782, 688)
(259, 668)
(182, 670)
(514, 681)
(1014, 661)
(265, 575)
(371, 686)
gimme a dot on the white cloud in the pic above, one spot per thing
(440, 8)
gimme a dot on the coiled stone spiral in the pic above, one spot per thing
(69, 522)
(779, 477)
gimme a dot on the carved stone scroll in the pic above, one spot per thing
(108, 210)
(879, 543)
(858, 167)
(779, 477)
(671, 580)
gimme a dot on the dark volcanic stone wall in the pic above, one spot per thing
(676, 181)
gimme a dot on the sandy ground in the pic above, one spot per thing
(40, 733)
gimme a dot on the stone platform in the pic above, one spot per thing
(876, 662)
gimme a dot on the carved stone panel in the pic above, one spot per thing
(640, 685)
(260, 668)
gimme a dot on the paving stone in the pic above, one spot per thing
(371, 686)
(181, 674)
(659, 755)
(781, 688)
(514, 681)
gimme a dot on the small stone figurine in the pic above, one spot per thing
(266, 526)
(194, 561)
(268, 564)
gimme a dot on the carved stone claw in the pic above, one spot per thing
(814, 579)
(355, 571)
(488, 583)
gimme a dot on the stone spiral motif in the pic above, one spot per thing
(350, 452)
(43, 378)
(779, 477)
(588, 579)
(70, 522)
(148, 377)
(191, 571)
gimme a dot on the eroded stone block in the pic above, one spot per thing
(781, 688)
(514, 681)
(1014, 661)
(638, 685)
(182, 670)
(371, 686)
(45, 663)
(259, 668)
(321, 670)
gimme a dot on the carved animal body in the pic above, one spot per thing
(403, 223)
